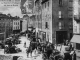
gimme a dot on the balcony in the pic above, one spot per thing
(77, 18)
(43, 1)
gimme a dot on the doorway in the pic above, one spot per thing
(61, 36)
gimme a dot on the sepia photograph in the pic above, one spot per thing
(39, 29)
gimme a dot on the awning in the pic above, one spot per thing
(75, 39)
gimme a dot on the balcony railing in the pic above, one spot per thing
(77, 18)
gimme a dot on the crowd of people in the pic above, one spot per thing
(40, 47)
(10, 45)
(47, 49)
(72, 54)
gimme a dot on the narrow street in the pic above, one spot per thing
(23, 53)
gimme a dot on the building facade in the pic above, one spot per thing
(16, 25)
(27, 9)
(57, 24)
(38, 18)
(47, 20)
(6, 25)
(24, 23)
(32, 21)
(76, 24)
(53, 19)
(76, 21)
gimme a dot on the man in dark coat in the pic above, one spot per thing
(49, 51)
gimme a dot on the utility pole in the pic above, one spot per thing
(28, 22)
(5, 33)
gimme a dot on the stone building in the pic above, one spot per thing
(16, 25)
(27, 9)
(53, 19)
(24, 23)
(6, 24)
(57, 24)
(38, 17)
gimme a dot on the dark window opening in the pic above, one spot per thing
(77, 46)
(60, 2)
(46, 24)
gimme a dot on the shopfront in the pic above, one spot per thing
(76, 41)
(44, 36)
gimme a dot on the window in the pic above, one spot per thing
(16, 27)
(45, 5)
(70, 14)
(70, 25)
(46, 24)
(70, 8)
(60, 2)
(14, 23)
(78, 46)
(59, 14)
(75, 29)
(42, 6)
(48, 3)
(60, 25)
(18, 23)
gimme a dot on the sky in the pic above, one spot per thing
(13, 10)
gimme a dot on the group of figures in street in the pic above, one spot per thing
(50, 52)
